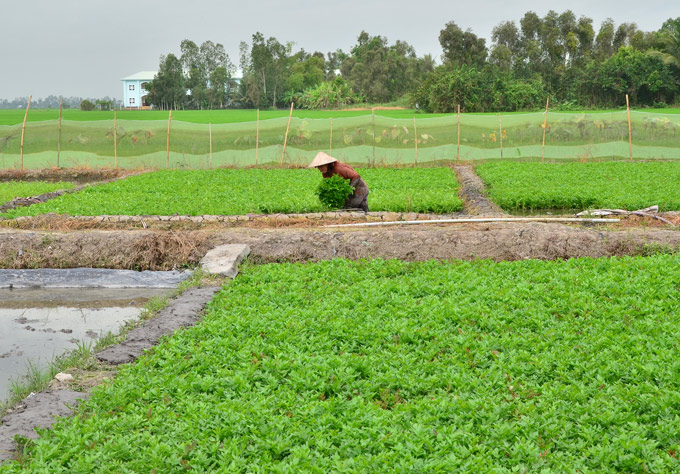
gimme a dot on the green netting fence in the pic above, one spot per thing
(366, 140)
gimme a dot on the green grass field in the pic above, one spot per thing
(389, 367)
(14, 189)
(569, 186)
(236, 191)
(16, 116)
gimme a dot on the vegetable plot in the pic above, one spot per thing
(571, 186)
(10, 190)
(239, 191)
(383, 366)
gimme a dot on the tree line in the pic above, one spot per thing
(557, 56)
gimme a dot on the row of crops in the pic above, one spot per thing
(360, 140)
(386, 367)
(515, 186)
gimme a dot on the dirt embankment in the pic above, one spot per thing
(163, 250)
(73, 175)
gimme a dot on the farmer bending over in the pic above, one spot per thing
(330, 166)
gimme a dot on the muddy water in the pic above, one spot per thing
(38, 324)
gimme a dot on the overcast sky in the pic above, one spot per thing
(84, 47)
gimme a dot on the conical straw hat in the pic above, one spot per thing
(321, 158)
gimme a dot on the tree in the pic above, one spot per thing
(265, 68)
(462, 47)
(669, 42)
(86, 105)
(382, 72)
(199, 65)
(167, 89)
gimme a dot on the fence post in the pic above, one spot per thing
(61, 104)
(115, 142)
(257, 136)
(285, 140)
(373, 126)
(167, 146)
(415, 134)
(23, 129)
(500, 133)
(458, 148)
(630, 130)
(210, 138)
(330, 148)
(545, 124)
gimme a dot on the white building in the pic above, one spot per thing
(134, 90)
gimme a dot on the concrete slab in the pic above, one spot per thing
(224, 259)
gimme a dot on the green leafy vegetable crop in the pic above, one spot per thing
(570, 186)
(10, 190)
(334, 191)
(384, 367)
(242, 191)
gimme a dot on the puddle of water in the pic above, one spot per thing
(38, 324)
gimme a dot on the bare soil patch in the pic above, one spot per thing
(472, 192)
(166, 250)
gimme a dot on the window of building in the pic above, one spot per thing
(132, 100)
(132, 87)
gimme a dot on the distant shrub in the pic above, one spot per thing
(86, 105)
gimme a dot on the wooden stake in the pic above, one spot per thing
(330, 148)
(373, 126)
(61, 104)
(257, 136)
(23, 129)
(285, 140)
(167, 148)
(630, 130)
(115, 141)
(210, 138)
(415, 133)
(458, 149)
(545, 124)
(500, 133)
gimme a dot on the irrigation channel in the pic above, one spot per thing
(46, 312)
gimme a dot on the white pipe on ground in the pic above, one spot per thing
(480, 219)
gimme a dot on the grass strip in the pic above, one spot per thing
(570, 186)
(385, 366)
(243, 191)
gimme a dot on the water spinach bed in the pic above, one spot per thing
(10, 190)
(243, 191)
(627, 185)
(385, 366)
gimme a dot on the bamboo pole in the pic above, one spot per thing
(545, 124)
(167, 146)
(210, 138)
(257, 136)
(479, 219)
(630, 130)
(330, 151)
(458, 148)
(115, 141)
(500, 133)
(61, 105)
(23, 129)
(373, 126)
(285, 140)
(415, 133)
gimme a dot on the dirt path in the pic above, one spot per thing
(472, 192)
